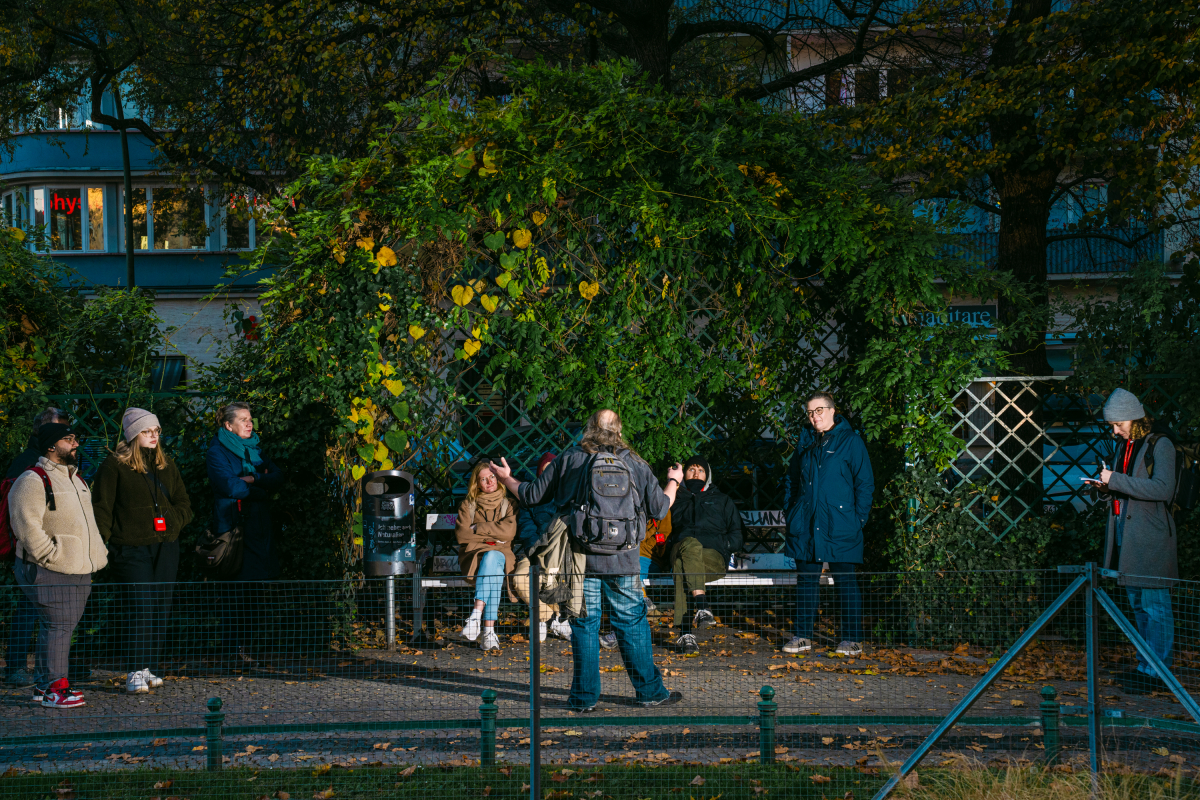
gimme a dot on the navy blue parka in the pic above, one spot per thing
(829, 491)
(225, 474)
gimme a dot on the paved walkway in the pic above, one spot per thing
(446, 684)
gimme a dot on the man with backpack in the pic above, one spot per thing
(24, 618)
(58, 547)
(605, 492)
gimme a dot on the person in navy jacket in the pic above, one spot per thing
(829, 491)
(243, 479)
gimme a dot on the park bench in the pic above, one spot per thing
(759, 565)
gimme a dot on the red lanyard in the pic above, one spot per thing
(1125, 470)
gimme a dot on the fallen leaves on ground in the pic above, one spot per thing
(697, 781)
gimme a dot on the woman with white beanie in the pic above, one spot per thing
(141, 505)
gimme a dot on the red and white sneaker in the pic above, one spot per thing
(61, 695)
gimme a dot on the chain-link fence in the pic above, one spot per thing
(796, 684)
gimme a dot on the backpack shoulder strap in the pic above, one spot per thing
(1151, 441)
(45, 484)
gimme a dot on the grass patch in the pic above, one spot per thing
(729, 782)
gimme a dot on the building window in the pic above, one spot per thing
(73, 216)
(245, 221)
(66, 219)
(867, 85)
(166, 218)
(8, 209)
(179, 219)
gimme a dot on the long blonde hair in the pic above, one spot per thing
(131, 456)
(1140, 427)
(473, 490)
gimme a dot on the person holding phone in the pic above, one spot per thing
(141, 505)
(1140, 539)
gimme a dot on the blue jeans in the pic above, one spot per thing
(20, 630)
(845, 582)
(627, 615)
(489, 580)
(1156, 624)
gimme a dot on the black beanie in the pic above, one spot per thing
(701, 462)
(50, 434)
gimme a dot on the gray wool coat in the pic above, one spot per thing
(1148, 545)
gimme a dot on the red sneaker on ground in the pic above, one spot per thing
(61, 695)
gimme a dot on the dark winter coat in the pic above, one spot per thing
(28, 457)
(225, 475)
(829, 492)
(710, 518)
(1148, 543)
(126, 502)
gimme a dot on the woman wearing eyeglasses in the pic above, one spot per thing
(141, 505)
(829, 491)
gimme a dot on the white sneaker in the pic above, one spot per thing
(135, 683)
(609, 641)
(490, 640)
(542, 632)
(152, 680)
(798, 645)
(470, 631)
(561, 629)
(850, 649)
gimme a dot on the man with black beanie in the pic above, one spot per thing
(706, 529)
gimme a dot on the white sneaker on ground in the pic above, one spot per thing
(798, 645)
(470, 631)
(152, 680)
(850, 649)
(135, 683)
(541, 632)
(703, 619)
(609, 641)
(561, 629)
(490, 640)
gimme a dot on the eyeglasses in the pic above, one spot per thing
(69, 439)
(818, 411)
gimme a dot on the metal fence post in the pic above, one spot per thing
(535, 683)
(1050, 712)
(487, 729)
(390, 606)
(214, 719)
(766, 725)
(1093, 674)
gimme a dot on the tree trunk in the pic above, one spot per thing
(649, 29)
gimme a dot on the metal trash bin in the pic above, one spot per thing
(389, 523)
(389, 534)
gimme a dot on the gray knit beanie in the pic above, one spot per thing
(137, 420)
(1122, 406)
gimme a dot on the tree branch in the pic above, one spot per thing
(690, 31)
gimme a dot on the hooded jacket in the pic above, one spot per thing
(830, 486)
(64, 539)
(708, 516)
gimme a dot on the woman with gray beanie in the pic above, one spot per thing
(1140, 535)
(141, 505)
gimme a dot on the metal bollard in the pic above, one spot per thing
(1050, 712)
(766, 725)
(487, 729)
(214, 719)
(390, 583)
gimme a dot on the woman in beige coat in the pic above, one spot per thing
(486, 527)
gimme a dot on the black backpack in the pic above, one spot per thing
(606, 518)
(1187, 472)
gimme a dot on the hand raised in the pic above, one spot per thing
(503, 470)
(676, 472)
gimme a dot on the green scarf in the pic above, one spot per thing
(245, 449)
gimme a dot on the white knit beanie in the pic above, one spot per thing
(137, 420)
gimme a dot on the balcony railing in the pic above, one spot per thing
(1076, 256)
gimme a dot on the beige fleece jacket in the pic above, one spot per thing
(65, 540)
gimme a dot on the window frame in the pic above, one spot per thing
(71, 188)
(149, 189)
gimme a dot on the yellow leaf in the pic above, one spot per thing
(588, 290)
(386, 257)
(462, 295)
(18, 234)
(1016, 702)
(381, 452)
(739, 289)
(479, 286)
(416, 331)
(471, 347)
(538, 217)
(339, 256)
(366, 244)
(357, 472)
(384, 307)
(522, 238)
(353, 415)
(1160, 751)
(489, 303)
(394, 386)
(386, 464)
(503, 279)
